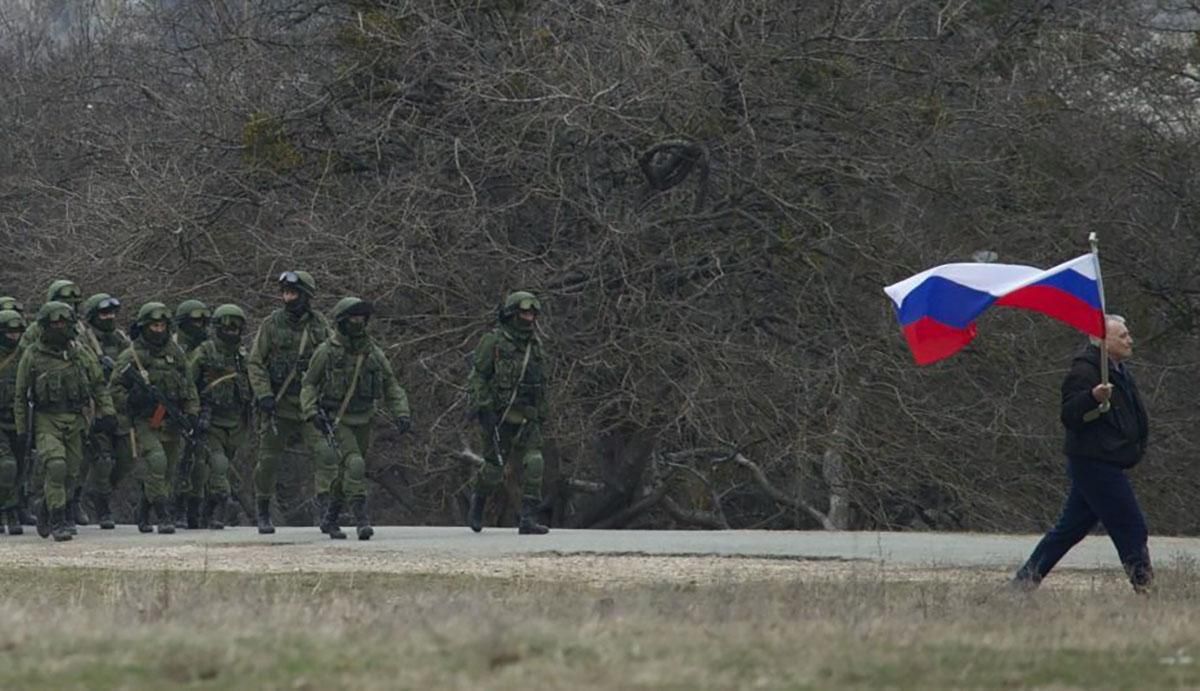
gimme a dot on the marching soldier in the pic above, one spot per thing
(12, 455)
(346, 378)
(508, 397)
(60, 381)
(109, 457)
(278, 360)
(150, 384)
(218, 367)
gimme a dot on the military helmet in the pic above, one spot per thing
(228, 311)
(191, 309)
(63, 290)
(350, 307)
(100, 302)
(11, 303)
(299, 280)
(11, 320)
(153, 312)
(519, 300)
(55, 311)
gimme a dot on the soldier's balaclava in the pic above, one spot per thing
(12, 327)
(58, 324)
(229, 322)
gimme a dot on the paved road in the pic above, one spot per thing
(900, 549)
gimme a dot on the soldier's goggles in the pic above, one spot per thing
(13, 325)
(229, 322)
(528, 305)
(157, 316)
(13, 305)
(199, 314)
(108, 304)
(290, 278)
(70, 292)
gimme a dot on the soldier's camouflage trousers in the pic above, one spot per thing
(159, 451)
(8, 470)
(271, 447)
(345, 475)
(210, 469)
(60, 452)
(109, 460)
(518, 444)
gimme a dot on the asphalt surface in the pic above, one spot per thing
(937, 550)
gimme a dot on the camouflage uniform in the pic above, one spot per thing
(158, 440)
(191, 331)
(508, 396)
(218, 366)
(63, 382)
(346, 378)
(12, 325)
(278, 359)
(109, 457)
(65, 291)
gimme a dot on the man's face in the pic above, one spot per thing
(1119, 341)
(527, 316)
(13, 336)
(289, 295)
(157, 327)
(106, 316)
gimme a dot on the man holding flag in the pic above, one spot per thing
(1106, 424)
(1100, 446)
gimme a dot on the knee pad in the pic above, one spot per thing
(534, 465)
(56, 470)
(356, 467)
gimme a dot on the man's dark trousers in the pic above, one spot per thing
(1102, 493)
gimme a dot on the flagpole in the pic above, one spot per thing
(1094, 241)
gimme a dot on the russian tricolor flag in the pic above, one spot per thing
(937, 308)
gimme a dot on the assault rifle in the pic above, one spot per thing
(193, 439)
(328, 429)
(29, 453)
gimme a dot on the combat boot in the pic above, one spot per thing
(23, 512)
(359, 506)
(58, 525)
(143, 515)
(78, 516)
(103, 511)
(212, 512)
(180, 512)
(475, 512)
(529, 524)
(12, 521)
(330, 516)
(69, 517)
(264, 517)
(193, 513)
(166, 526)
(43, 518)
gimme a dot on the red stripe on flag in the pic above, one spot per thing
(1058, 304)
(932, 340)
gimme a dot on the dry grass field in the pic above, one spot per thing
(586, 621)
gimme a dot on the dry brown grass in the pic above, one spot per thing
(843, 626)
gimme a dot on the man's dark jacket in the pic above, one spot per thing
(1117, 437)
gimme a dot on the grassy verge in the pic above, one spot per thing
(80, 628)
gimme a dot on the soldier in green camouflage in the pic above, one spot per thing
(108, 457)
(508, 397)
(62, 382)
(278, 360)
(191, 330)
(12, 326)
(25, 518)
(218, 366)
(191, 324)
(347, 377)
(158, 438)
(65, 291)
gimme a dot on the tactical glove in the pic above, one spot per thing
(266, 405)
(105, 424)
